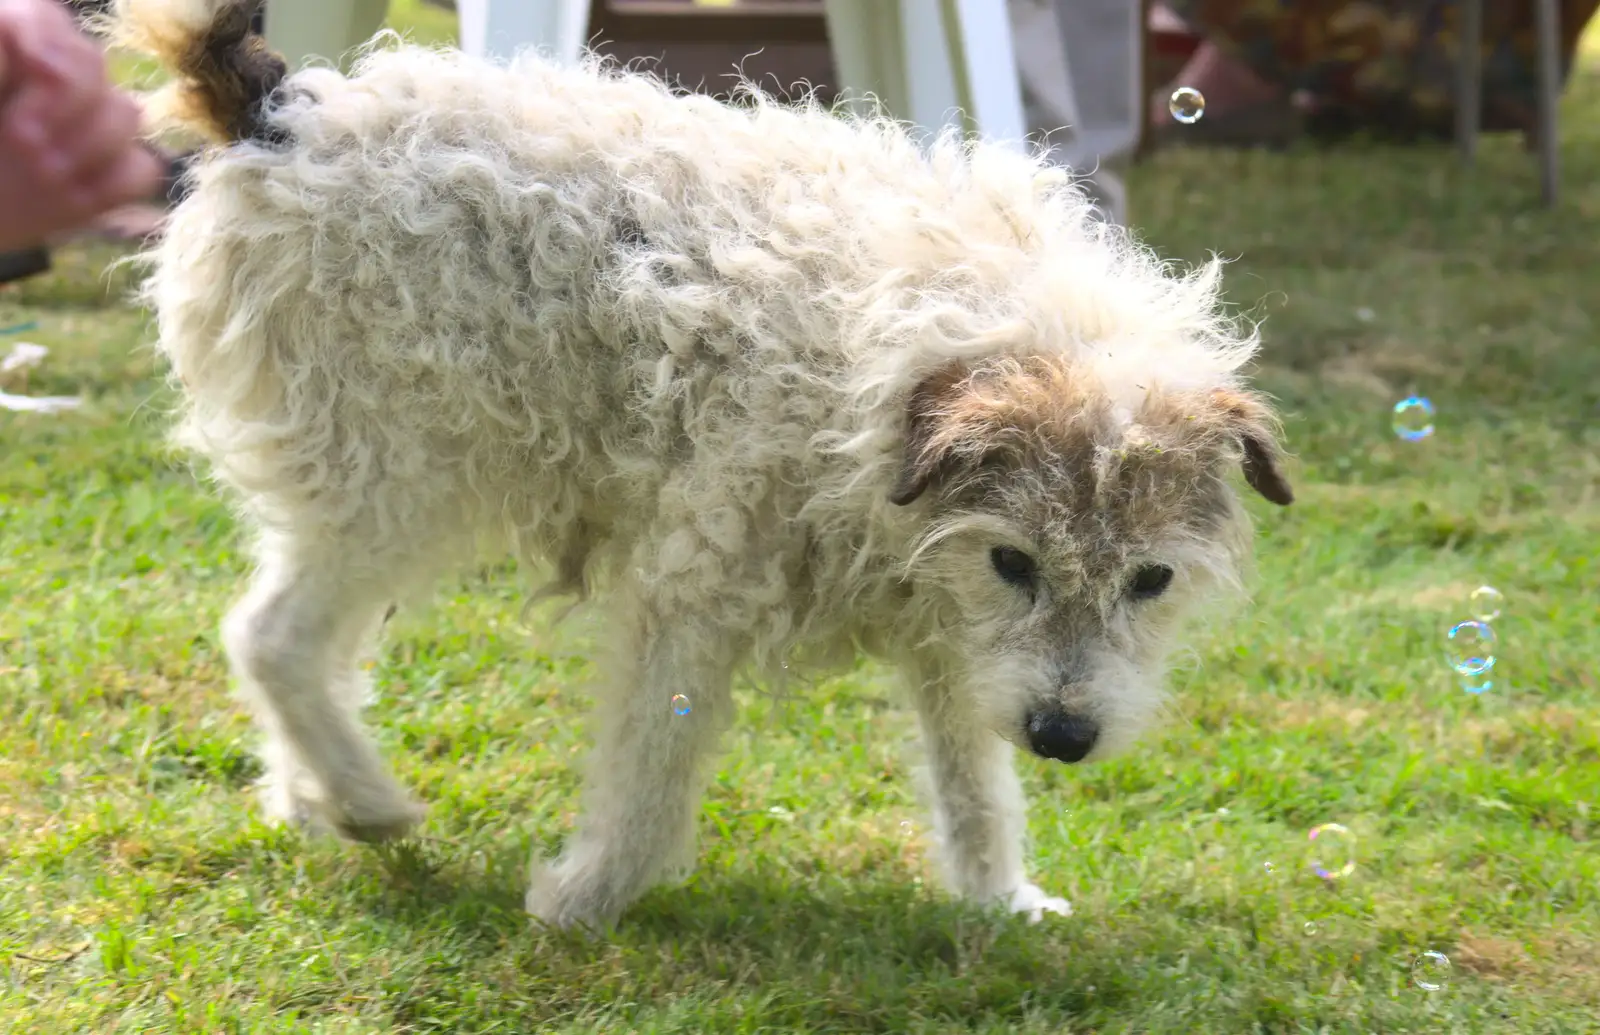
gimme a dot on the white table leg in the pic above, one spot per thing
(987, 75)
(934, 63)
(497, 29)
(933, 78)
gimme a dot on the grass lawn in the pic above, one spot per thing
(139, 891)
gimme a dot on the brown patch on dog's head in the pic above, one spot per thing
(962, 418)
(1247, 419)
(932, 423)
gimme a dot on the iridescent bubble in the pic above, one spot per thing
(1333, 853)
(1187, 105)
(680, 704)
(1486, 603)
(1471, 648)
(1310, 928)
(1477, 684)
(1431, 971)
(1270, 867)
(1413, 418)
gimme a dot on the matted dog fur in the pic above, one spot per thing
(778, 385)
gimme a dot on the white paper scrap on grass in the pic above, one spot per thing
(25, 355)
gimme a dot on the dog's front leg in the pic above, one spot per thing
(657, 717)
(980, 820)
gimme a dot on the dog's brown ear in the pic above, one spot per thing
(1251, 423)
(927, 448)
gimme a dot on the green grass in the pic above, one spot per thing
(140, 893)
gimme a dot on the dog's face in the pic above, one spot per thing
(1067, 531)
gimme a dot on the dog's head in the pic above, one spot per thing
(1068, 525)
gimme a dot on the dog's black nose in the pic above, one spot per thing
(1063, 737)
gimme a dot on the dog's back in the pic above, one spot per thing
(529, 295)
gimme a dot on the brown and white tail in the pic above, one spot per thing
(223, 74)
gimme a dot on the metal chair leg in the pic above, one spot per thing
(1547, 14)
(1469, 80)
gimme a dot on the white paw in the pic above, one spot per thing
(379, 813)
(561, 896)
(1031, 899)
(387, 815)
(285, 794)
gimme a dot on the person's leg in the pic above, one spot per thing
(1248, 69)
(1164, 19)
(1227, 84)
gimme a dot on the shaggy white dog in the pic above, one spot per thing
(786, 385)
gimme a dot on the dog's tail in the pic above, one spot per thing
(222, 74)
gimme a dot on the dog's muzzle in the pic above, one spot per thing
(1063, 737)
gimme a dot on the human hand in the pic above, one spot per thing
(69, 140)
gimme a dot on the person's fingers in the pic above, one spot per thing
(44, 30)
(70, 140)
(133, 177)
(57, 75)
(112, 129)
(40, 38)
(37, 140)
(61, 82)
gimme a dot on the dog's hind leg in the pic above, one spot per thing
(664, 702)
(294, 641)
(980, 818)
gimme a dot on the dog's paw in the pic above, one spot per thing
(377, 821)
(379, 814)
(1031, 900)
(281, 805)
(574, 892)
(549, 902)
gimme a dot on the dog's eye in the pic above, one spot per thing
(1150, 581)
(1012, 565)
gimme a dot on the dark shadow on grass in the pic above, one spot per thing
(872, 955)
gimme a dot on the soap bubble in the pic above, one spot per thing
(1187, 105)
(680, 704)
(1471, 648)
(1334, 853)
(1477, 684)
(1431, 971)
(1310, 927)
(1486, 603)
(1413, 418)
(1270, 867)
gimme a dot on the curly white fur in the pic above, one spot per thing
(664, 346)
